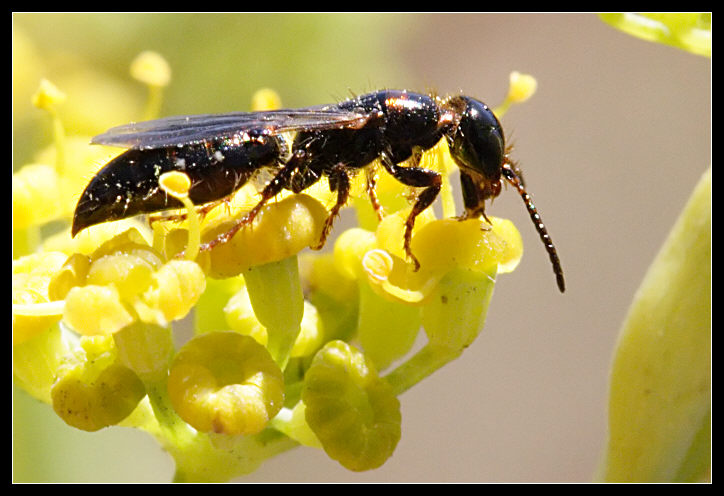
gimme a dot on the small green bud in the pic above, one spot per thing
(350, 409)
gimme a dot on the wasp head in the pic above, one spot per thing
(476, 143)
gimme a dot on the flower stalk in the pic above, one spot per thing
(273, 287)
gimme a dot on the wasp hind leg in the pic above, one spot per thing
(275, 186)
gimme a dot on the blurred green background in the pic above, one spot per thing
(218, 61)
(611, 145)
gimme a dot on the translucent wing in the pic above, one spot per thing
(183, 130)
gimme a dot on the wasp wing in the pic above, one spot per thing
(184, 130)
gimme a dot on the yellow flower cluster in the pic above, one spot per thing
(124, 280)
(269, 364)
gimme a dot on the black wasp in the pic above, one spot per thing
(220, 153)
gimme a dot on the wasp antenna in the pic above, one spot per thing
(513, 164)
(510, 175)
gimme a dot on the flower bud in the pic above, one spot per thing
(174, 290)
(265, 99)
(522, 87)
(31, 278)
(95, 310)
(151, 68)
(353, 412)
(36, 195)
(48, 95)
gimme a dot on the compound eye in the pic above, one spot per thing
(478, 143)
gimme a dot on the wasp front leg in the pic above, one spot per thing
(473, 198)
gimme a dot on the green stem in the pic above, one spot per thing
(171, 426)
(59, 139)
(153, 105)
(275, 292)
(204, 457)
(453, 317)
(423, 363)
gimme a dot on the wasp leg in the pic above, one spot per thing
(275, 186)
(472, 201)
(417, 177)
(339, 181)
(202, 210)
(372, 193)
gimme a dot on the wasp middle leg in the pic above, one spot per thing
(418, 177)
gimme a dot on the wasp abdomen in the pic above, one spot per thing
(128, 185)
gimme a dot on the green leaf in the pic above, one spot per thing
(660, 390)
(688, 31)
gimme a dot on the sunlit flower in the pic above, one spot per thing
(93, 390)
(226, 383)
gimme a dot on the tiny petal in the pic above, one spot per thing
(175, 288)
(95, 310)
(31, 278)
(265, 99)
(475, 244)
(129, 273)
(175, 183)
(74, 272)
(350, 248)
(522, 87)
(48, 95)
(280, 230)
(36, 195)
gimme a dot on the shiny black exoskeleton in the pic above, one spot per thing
(220, 153)
(128, 184)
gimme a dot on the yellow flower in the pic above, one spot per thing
(96, 310)
(37, 195)
(226, 383)
(439, 245)
(31, 277)
(280, 230)
(125, 279)
(151, 68)
(93, 390)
